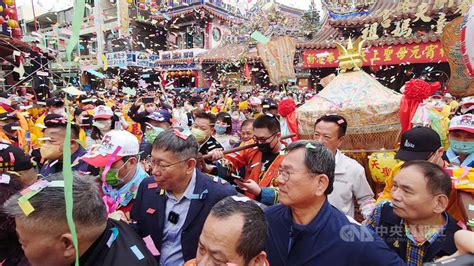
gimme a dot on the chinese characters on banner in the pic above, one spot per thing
(380, 55)
(116, 59)
(403, 27)
(124, 59)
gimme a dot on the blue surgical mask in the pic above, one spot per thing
(461, 147)
(220, 129)
(152, 133)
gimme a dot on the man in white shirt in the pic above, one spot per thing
(349, 180)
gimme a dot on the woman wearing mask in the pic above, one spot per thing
(104, 121)
(223, 128)
(237, 118)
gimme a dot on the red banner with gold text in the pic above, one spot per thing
(380, 55)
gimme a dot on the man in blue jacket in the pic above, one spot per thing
(305, 229)
(172, 206)
(52, 148)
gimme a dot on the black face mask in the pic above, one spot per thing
(264, 147)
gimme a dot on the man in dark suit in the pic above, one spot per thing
(172, 205)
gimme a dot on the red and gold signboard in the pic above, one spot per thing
(380, 55)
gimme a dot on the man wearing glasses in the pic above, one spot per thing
(172, 205)
(261, 163)
(305, 229)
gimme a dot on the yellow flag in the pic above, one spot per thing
(104, 60)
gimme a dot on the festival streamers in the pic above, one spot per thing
(259, 37)
(68, 179)
(79, 7)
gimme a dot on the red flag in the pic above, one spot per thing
(247, 71)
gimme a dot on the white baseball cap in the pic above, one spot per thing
(103, 111)
(121, 142)
(462, 122)
(467, 104)
(467, 100)
(255, 101)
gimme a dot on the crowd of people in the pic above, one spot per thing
(210, 179)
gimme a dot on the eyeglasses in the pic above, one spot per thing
(263, 140)
(285, 175)
(164, 167)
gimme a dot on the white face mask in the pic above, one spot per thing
(61, 112)
(103, 125)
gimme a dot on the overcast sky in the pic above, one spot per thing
(43, 6)
(302, 4)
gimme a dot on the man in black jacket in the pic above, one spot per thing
(141, 109)
(40, 216)
(203, 129)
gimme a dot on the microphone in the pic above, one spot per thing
(173, 217)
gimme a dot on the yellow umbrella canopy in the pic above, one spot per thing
(370, 108)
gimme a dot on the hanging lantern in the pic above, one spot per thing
(189, 73)
(16, 32)
(12, 23)
(130, 1)
(381, 164)
(172, 73)
(9, 2)
(2, 20)
(1, 8)
(180, 73)
(153, 10)
(141, 6)
(10, 12)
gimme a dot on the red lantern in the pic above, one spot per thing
(2, 20)
(16, 32)
(141, 6)
(12, 23)
(10, 12)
